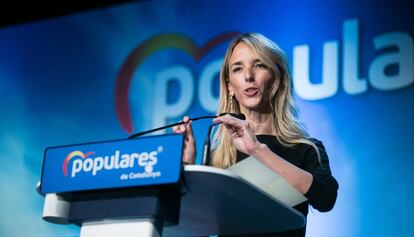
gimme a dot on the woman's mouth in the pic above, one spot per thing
(251, 91)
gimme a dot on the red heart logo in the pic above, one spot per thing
(144, 50)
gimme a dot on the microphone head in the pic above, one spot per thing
(239, 116)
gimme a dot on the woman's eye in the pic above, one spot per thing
(260, 65)
(236, 69)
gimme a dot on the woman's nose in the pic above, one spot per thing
(248, 75)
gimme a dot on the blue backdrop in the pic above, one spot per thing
(104, 74)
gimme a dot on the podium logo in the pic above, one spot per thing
(94, 165)
(72, 155)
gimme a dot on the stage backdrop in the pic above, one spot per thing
(107, 73)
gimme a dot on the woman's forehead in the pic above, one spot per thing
(242, 53)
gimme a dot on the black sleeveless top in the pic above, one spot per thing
(323, 191)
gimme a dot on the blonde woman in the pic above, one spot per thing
(255, 81)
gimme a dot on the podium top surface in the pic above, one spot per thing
(216, 201)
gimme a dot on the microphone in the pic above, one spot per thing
(179, 123)
(239, 116)
(168, 126)
(207, 142)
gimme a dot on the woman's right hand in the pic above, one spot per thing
(189, 151)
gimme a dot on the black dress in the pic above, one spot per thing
(323, 191)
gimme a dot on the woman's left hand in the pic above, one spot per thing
(240, 133)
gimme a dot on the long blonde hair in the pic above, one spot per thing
(289, 131)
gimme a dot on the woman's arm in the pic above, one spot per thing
(314, 181)
(300, 179)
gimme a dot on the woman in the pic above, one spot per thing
(254, 80)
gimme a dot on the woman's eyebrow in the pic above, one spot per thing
(237, 63)
(257, 60)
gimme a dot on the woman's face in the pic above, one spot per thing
(249, 79)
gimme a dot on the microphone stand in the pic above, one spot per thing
(169, 126)
(207, 142)
(207, 147)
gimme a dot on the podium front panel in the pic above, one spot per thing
(215, 201)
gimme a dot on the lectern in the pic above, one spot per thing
(140, 188)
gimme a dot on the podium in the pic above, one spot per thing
(204, 201)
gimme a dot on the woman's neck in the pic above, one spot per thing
(260, 123)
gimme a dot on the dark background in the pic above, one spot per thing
(18, 12)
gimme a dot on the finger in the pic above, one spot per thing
(176, 129)
(228, 119)
(179, 129)
(236, 134)
(182, 128)
(186, 119)
(188, 125)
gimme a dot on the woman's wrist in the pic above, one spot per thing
(257, 149)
